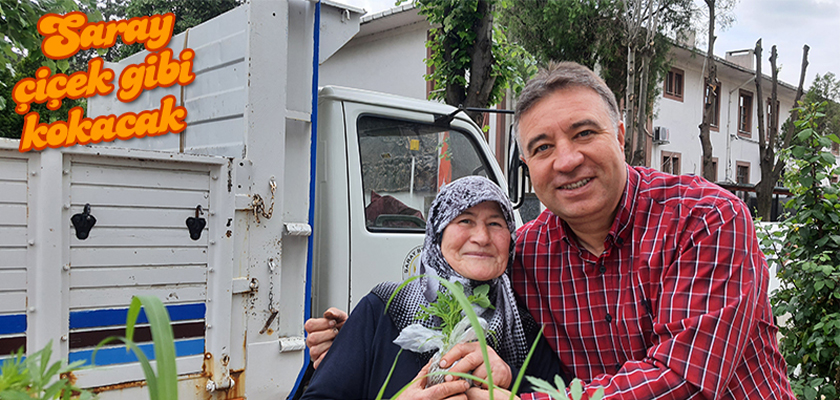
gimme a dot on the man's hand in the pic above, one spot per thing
(453, 390)
(470, 361)
(482, 394)
(321, 332)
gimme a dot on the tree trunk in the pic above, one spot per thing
(709, 101)
(771, 169)
(481, 69)
(794, 114)
(641, 120)
(764, 188)
(629, 103)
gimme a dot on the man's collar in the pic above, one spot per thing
(621, 228)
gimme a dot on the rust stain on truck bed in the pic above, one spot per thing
(118, 386)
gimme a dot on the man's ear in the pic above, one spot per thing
(620, 135)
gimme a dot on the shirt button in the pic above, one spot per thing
(602, 269)
(609, 318)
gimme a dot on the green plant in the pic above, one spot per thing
(808, 256)
(558, 390)
(456, 291)
(34, 377)
(447, 308)
(162, 385)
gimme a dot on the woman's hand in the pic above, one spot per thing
(322, 332)
(482, 394)
(470, 361)
(448, 390)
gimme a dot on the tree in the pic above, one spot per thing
(607, 36)
(771, 168)
(826, 88)
(710, 95)
(807, 251)
(581, 31)
(469, 57)
(19, 29)
(643, 21)
(11, 123)
(188, 13)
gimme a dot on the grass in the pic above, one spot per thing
(163, 384)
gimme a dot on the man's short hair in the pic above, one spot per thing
(557, 76)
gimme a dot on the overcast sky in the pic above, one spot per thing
(789, 24)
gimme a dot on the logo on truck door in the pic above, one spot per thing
(411, 264)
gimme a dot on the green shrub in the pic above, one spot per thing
(34, 377)
(807, 252)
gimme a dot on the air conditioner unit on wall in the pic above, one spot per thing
(661, 135)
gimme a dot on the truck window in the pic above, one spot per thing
(403, 165)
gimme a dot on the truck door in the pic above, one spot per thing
(397, 161)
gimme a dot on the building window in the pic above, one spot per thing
(742, 172)
(715, 122)
(714, 167)
(671, 162)
(745, 113)
(674, 84)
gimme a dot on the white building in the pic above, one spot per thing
(734, 131)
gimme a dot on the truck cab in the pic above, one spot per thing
(382, 160)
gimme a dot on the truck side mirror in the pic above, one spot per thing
(517, 173)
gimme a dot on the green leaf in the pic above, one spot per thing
(542, 386)
(148, 372)
(559, 383)
(63, 65)
(467, 308)
(482, 290)
(805, 134)
(515, 388)
(164, 340)
(388, 378)
(576, 390)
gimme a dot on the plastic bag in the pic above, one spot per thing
(421, 339)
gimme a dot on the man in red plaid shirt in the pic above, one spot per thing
(649, 285)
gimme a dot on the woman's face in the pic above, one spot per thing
(477, 243)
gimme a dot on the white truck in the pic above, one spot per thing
(302, 201)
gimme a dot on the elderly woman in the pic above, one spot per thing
(469, 239)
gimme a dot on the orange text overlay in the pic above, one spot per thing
(65, 35)
(80, 130)
(158, 70)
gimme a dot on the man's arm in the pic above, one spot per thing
(321, 333)
(708, 296)
(706, 310)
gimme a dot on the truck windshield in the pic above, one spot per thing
(403, 165)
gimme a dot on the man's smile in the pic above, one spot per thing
(576, 185)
